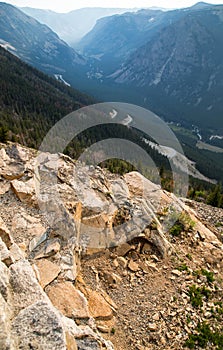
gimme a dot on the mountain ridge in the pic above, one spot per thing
(196, 55)
(73, 25)
(36, 43)
(175, 68)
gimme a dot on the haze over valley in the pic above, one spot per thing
(167, 61)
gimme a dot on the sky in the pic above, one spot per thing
(68, 5)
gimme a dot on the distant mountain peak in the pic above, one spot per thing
(201, 5)
(73, 25)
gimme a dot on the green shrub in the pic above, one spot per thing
(189, 256)
(113, 330)
(186, 221)
(182, 267)
(176, 230)
(183, 222)
(205, 337)
(209, 275)
(197, 294)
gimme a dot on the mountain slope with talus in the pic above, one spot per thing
(72, 278)
(179, 72)
(170, 62)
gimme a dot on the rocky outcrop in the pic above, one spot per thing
(30, 320)
(75, 249)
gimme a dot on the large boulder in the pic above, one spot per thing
(98, 306)
(70, 301)
(47, 271)
(25, 191)
(39, 327)
(25, 289)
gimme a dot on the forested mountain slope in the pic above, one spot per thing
(31, 102)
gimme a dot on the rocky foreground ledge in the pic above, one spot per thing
(98, 269)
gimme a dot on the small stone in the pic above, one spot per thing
(103, 329)
(123, 249)
(152, 327)
(112, 278)
(122, 262)
(173, 314)
(163, 340)
(5, 234)
(176, 273)
(3, 157)
(185, 296)
(133, 266)
(152, 266)
(154, 257)
(52, 248)
(144, 267)
(22, 246)
(4, 187)
(115, 263)
(168, 335)
(156, 317)
(36, 241)
(4, 252)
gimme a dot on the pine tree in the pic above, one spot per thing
(3, 133)
(215, 197)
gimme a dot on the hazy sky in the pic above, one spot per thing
(68, 5)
